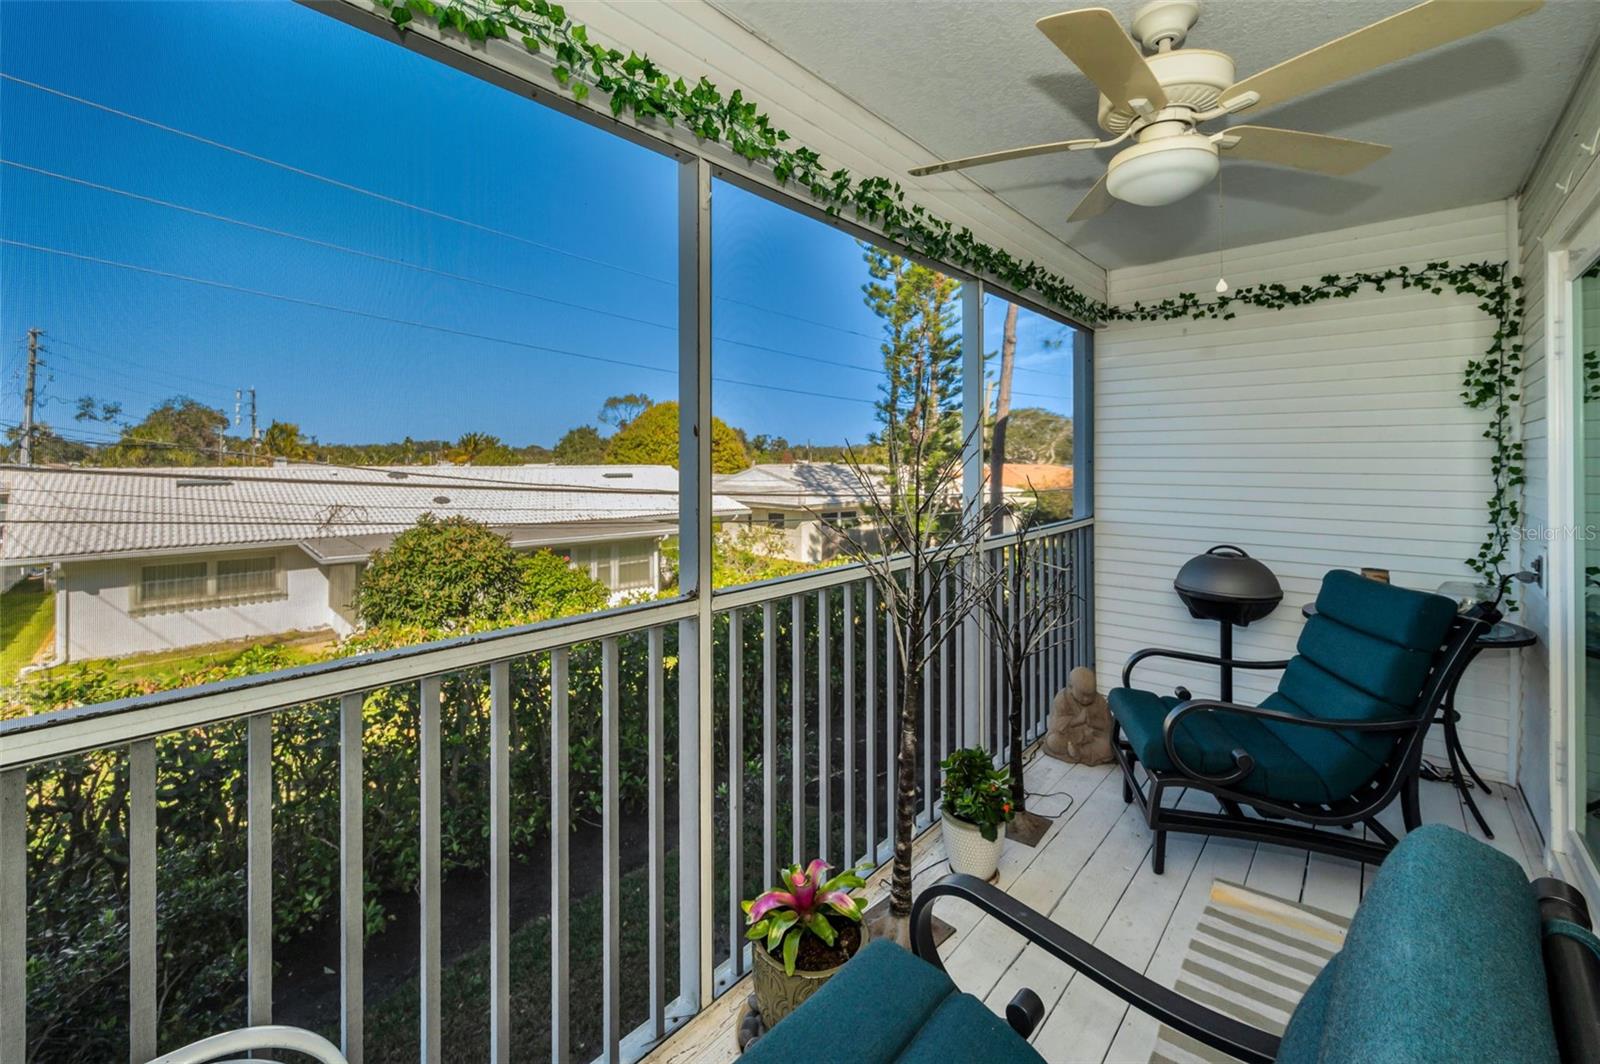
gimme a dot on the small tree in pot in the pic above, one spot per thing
(804, 930)
(1030, 600)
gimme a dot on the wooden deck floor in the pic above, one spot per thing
(1091, 873)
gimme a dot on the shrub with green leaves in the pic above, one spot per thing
(977, 792)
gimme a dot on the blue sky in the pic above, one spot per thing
(394, 248)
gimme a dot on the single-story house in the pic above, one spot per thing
(795, 500)
(145, 560)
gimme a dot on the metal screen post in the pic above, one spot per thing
(696, 699)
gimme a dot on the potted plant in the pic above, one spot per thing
(803, 931)
(977, 805)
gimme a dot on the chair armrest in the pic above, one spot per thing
(1243, 763)
(253, 1039)
(1189, 655)
(1205, 1025)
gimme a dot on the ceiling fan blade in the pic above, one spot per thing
(1098, 45)
(1303, 151)
(1094, 202)
(998, 156)
(1417, 29)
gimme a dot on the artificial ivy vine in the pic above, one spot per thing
(638, 87)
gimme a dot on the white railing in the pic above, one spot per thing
(808, 694)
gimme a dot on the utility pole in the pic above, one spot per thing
(238, 397)
(29, 395)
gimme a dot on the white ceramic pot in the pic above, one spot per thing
(969, 852)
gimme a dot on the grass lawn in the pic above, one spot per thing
(27, 617)
(169, 666)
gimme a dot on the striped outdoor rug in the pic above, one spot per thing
(1252, 957)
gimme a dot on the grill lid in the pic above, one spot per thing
(1226, 584)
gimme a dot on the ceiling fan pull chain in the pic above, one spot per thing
(1222, 280)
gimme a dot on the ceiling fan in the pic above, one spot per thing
(1159, 101)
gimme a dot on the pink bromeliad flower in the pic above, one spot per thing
(784, 915)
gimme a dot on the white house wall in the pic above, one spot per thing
(1560, 167)
(98, 621)
(1324, 437)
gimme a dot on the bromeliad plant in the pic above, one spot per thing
(784, 915)
(976, 791)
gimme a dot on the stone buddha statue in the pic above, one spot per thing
(1080, 722)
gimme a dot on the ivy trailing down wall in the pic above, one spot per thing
(636, 86)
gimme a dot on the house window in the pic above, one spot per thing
(247, 576)
(215, 582)
(634, 567)
(774, 519)
(174, 584)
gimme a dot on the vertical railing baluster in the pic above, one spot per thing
(824, 730)
(656, 773)
(769, 742)
(500, 862)
(797, 691)
(258, 869)
(432, 1007)
(849, 626)
(735, 788)
(13, 915)
(142, 1001)
(560, 882)
(610, 854)
(947, 637)
(929, 655)
(352, 900)
(891, 732)
(870, 630)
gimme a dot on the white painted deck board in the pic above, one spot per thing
(1091, 873)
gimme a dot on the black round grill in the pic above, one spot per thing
(1226, 584)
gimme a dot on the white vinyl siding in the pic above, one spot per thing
(1323, 437)
(1562, 163)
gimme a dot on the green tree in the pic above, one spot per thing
(283, 440)
(618, 410)
(652, 439)
(920, 398)
(580, 446)
(1038, 435)
(48, 447)
(178, 432)
(480, 448)
(453, 572)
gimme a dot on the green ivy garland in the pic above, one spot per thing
(637, 86)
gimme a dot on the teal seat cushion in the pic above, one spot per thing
(887, 1005)
(1365, 656)
(1442, 962)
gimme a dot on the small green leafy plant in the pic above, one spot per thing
(801, 906)
(976, 791)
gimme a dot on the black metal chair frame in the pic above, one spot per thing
(1572, 973)
(1398, 776)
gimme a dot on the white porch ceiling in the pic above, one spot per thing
(961, 77)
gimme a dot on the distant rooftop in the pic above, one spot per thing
(795, 484)
(334, 512)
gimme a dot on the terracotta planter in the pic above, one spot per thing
(778, 993)
(969, 852)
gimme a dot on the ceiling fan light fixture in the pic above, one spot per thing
(1159, 172)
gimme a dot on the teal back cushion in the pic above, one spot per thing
(1442, 962)
(1365, 656)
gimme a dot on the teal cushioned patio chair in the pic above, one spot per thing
(1453, 955)
(1338, 741)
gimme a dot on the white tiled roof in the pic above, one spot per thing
(795, 484)
(56, 514)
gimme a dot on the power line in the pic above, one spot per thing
(325, 179)
(372, 316)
